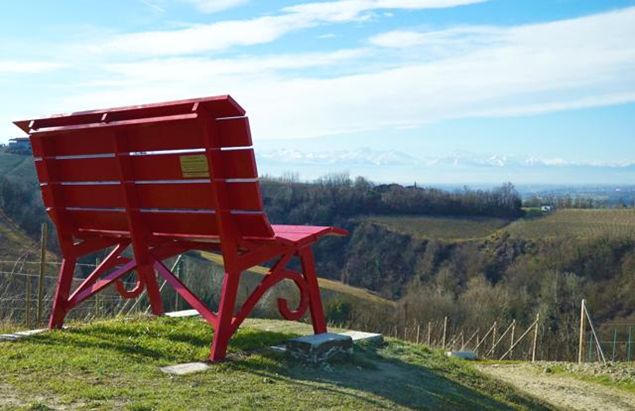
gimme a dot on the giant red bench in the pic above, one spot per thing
(164, 179)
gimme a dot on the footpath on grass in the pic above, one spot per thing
(561, 390)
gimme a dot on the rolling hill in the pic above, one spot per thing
(565, 223)
(442, 228)
(580, 224)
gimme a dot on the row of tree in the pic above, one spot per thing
(334, 198)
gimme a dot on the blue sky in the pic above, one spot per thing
(396, 90)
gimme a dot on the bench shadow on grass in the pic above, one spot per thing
(368, 370)
(104, 337)
(403, 383)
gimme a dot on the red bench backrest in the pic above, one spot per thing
(176, 166)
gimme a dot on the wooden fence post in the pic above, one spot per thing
(533, 347)
(630, 343)
(511, 340)
(491, 351)
(40, 286)
(178, 275)
(98, 297)
(494, 336)
(445, 330)
(27, 300)
(429, 333)
(519, 338)
(581, 344)
(418, 332)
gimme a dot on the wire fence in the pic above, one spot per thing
(22, 303)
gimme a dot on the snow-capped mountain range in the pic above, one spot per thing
(372, 157)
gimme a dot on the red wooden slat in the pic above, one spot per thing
(192, 196)
(98, 220)
(190, 224)
(147, 112)
(243, 196)
(86, 169)
(237, 164)
(181, 223)
(217, 106)
(168, 134)
(96, 196)
(253, 225)
(234, 132)
(66, 120)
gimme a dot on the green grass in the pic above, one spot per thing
(574, 223)
(607, 375)
(115, 364)
(442, 228)
(9, 327)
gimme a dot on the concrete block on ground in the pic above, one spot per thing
(464, 355)
(187, 368)
(183, 313)
(361, 336)
(319, 347)
(21, 334)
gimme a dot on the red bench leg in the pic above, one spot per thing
(315, 300)
(60, 303)
(149, 277)
(223, 331)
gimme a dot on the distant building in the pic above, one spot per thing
(546, 208)
(20, 145)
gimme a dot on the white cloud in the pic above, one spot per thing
(213, 6)
(26, 67)
(155, 5)
(464, 37)
(158, 69)
(491, 71)
(225, 34)
(200, 38)
(346, 10)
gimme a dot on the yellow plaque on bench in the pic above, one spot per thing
(194, 166)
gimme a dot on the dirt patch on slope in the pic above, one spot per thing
(561, 391)
(10, 398)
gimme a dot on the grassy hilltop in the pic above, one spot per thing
(115, 364)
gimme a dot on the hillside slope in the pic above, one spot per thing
(332, 289)
(577, 223)
(13, 242)
(115, 364)
(17, 167)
